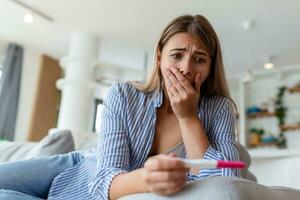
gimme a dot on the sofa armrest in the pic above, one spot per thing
(56, 142)
(223, 188)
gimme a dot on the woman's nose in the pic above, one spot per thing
(185, 71)
(185, 68)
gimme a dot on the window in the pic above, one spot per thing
(97, 116)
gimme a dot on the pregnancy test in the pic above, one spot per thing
(202, 163)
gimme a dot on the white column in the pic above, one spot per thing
(78, 84)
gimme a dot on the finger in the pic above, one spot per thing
(175, 82)
(165, 188)
(174, 95)
(164, 162)
(198, 83)
(173, 190)
(185, 83)
(165, 192)
(163, 185)
(170, 87)
(166, 176)
(172, 155)
(171, 95)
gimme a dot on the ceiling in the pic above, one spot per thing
(137, 24)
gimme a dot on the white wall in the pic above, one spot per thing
(233, 86)
(29, 78)
(129, 58)
(3, 45)
(118, 62)
(277, 171)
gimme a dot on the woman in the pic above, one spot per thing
(184, 110)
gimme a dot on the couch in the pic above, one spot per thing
(227, 188)
(217, 188)
(56, 142)
(224, 188)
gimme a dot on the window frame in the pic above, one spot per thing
(96, 103)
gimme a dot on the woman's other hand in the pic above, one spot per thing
(164, 174)
(184, 95)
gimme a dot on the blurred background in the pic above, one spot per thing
(59, 57)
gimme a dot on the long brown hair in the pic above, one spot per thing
(200, 28)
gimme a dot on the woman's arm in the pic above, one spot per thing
(194, 138)
(184, 100)
(221, 145)
(126, 184)
(161, 174)
(113, 148)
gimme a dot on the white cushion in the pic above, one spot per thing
(56, 142)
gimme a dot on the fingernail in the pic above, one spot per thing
(172, 154)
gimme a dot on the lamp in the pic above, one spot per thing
(268, 63)
(28, 18)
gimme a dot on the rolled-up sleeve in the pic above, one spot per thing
(113, 148)
(223, 144)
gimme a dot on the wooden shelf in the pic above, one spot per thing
(261, 114)
(290, 127)
(294, 89)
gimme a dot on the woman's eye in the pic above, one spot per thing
(199, 60)
(176, 56)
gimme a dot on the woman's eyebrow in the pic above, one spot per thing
(178, 49)
(201, 53)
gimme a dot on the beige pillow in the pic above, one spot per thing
(56, 142)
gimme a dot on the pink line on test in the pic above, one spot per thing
(230, 164)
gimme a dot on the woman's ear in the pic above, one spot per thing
(158, 57)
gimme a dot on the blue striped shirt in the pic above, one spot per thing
(128, 126)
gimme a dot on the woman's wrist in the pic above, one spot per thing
(131, 183)
(188, 120)
(143, 185)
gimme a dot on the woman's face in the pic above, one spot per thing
(186, 54)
